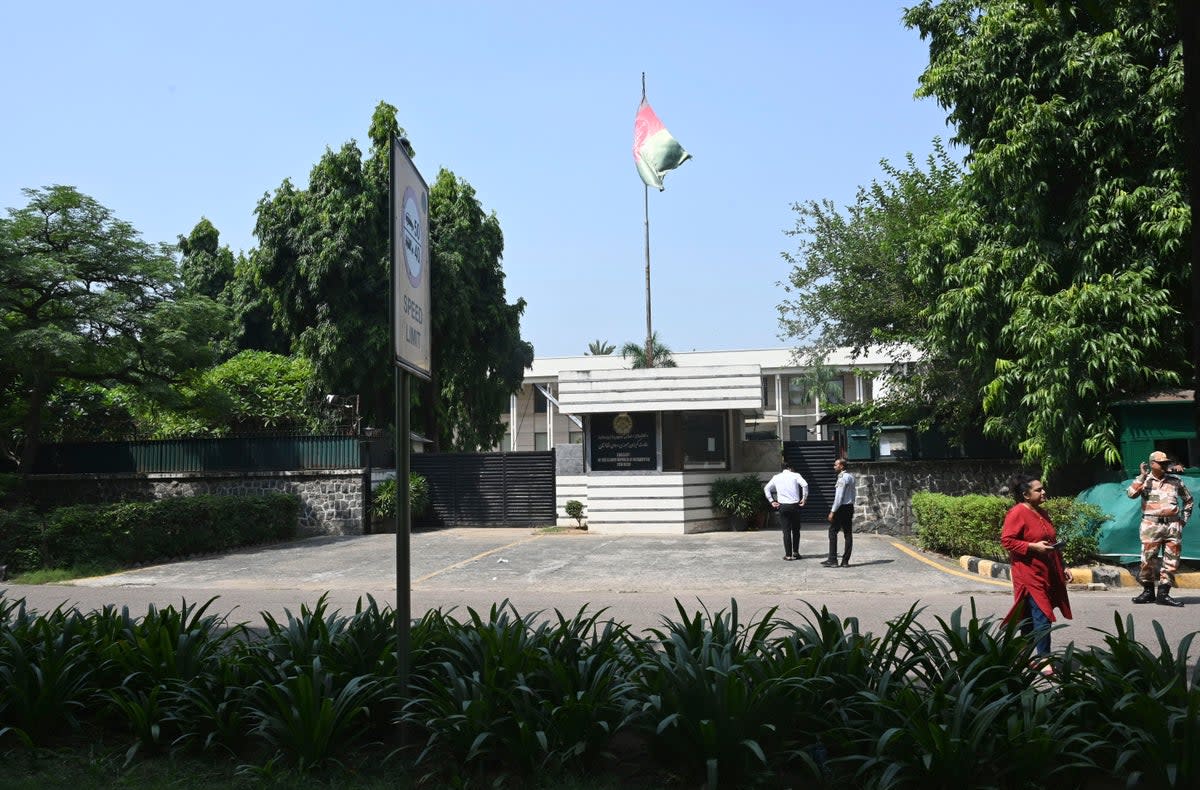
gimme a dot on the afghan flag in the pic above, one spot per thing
(655, 151)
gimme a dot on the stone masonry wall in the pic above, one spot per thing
(331, 501)
(885, 488)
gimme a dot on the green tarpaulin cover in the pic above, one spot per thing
(1119, 536)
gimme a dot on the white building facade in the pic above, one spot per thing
(640, 448)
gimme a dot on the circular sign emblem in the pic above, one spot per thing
(622, 424)
(412, 240)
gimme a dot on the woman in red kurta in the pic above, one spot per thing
(1039, 579)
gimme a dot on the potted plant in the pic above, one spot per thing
(741, 499)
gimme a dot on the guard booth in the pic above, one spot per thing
(656, 439)
(1159, 421)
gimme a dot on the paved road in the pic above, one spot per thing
(637, 578)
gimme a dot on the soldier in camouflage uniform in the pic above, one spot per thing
(1162, 525)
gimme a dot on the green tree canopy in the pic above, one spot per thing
(322, 266)
(479, 358)
(600, 348)
(850, 283)
(1058, 280)
(84, 299)
(660, 355)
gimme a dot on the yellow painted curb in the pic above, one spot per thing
(951, 571)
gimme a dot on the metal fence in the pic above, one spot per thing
(242, 454)
(488, 489)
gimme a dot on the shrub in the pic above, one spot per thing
(125, 533)
(739, 497)
(574, 509)
(20, 540)
(972, 525)
(385, 497)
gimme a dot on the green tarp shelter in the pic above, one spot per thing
(1119, 536)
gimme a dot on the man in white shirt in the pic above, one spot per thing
(841, 515)
(787, 492)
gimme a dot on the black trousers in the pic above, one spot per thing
(789, 522)
(843, 521)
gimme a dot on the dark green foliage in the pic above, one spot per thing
(740, 497)
(125, 533)
(501, 699)
(384, 498)
(574, 509)
(517, 695)
(971, 525)
(84, 299)
(20, 540)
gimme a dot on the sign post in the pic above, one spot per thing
(408, 218)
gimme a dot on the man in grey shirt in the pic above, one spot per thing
(841, 515)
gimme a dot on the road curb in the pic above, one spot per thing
(1089, 576)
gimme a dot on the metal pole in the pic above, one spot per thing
(649, 331)
(403, 525)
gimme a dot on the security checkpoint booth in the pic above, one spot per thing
(655, 440)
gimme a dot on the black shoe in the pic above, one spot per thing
(845, 563)
(1147, 595)
(829, 564)
(1165, 599)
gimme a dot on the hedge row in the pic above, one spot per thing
(971, 525)
(127, 533)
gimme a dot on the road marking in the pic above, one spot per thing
(428, 576)
(950, 571)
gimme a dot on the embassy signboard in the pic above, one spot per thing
(624, 441)
(412, 323)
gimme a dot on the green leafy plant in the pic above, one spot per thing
(741, 497)
(972, 525)
(384, 499)
(574, 509)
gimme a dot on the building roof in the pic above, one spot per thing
(769, 360)
(660, 389)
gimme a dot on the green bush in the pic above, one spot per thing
(126, 533)
(385, 498)
(498, 699)
(20, 540)
(739, 497)
(972, 524)
(574, 509)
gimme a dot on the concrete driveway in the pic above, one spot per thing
(637, 578)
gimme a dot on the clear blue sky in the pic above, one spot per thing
(166, 112)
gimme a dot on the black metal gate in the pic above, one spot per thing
(488, 489)
(814, 462)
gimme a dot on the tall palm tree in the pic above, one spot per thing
(600, 348)
(819, 381)
(660, 354)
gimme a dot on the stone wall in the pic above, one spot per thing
(331, 500)
(885, 488)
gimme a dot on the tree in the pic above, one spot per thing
(252, 392)
(205, 266)
(83, 299)
(479, 358)
(660, 354)
(1058, 281)
(322, 266)
(600, 348)
(850, 282)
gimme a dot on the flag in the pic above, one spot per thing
(655, 151)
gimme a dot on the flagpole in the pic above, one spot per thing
(646, 213)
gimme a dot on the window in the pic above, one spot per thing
(575, 437)
(539, 401)
(539, 441)
(704, 440)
